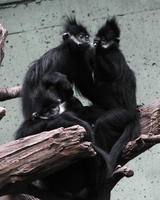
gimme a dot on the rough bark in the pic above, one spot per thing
(150, 135)
(2, 112)
(150, 132)
(3, 35)
(32, 157)
(9, 93)
(35, 156)
(6, 94)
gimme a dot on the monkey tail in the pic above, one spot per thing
(106, 158)
(131, 131)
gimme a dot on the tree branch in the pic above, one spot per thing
(123, 170)
(9, 93)
(27, 159)
(2, 112)
(3, 35)
(150, 135)
(33, 157)
(150, 132)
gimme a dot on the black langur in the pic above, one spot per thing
(57, 107)
(69, 58)
(48, 103)
(115, 87)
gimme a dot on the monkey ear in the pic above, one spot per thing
(117, 40)
(66, 36)
(112, 25)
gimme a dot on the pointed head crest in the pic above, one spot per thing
(110, 30)
(71, 26)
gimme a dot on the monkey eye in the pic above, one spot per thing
(65, 36)
(96, 41)
(103, 40)
(87, 37)
(81, 36)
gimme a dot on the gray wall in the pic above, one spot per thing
(35, 27)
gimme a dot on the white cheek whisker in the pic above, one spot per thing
(62, 107)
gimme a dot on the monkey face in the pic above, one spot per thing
(83, 38)
(108, 35)
(102, 42)
(80, 39)
(76, 33)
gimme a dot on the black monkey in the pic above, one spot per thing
(115, 87)
(57, 107)
(53, 98)
(45, 89)
(69, 58)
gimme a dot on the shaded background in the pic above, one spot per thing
(35, 26)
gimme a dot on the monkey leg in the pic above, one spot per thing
(109, 127)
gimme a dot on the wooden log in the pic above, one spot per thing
(33, 157)
(2, 112)
(150, 132)
(9, 93)
(150, 135)
(3, 35)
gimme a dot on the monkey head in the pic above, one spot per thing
(108, 35)
(76, 33)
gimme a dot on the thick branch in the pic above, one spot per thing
(36, 156)
(150, 132)
(150, 135)
(3, 35)
(30, 158)
(9, 93)
(127, 172)
(2, 112)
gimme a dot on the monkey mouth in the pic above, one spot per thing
(52, 113)
(67, 36)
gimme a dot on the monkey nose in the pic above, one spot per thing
(59, 100)
(65, 36)
(92, 45)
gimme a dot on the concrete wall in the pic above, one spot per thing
(35, 27)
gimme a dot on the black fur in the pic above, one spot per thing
(67, 58)
(112, 93)
(70, 182)
(55, 90)
(71, 26)
(45, 86)
(115, 87)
